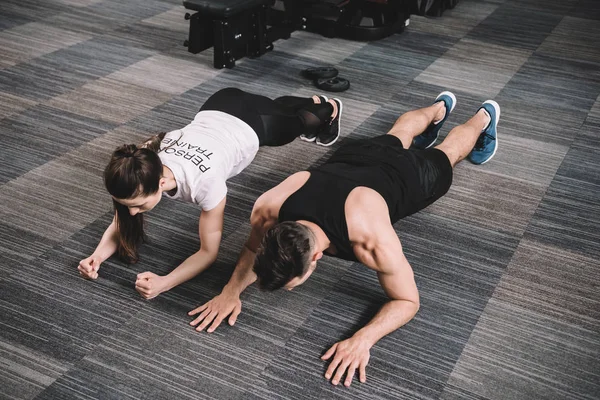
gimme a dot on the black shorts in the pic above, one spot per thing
(409, 180)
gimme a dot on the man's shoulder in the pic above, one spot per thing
(365, 209)
(267, 206)
(368, 219)
(277, 195)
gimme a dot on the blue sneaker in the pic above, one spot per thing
(487, 143)
(426, 139)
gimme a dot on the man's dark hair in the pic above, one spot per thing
(284, 254)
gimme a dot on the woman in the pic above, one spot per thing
(192, 164)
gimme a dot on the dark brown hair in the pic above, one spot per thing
(133, 171)
(284, 254)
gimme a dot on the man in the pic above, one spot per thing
(346, 208)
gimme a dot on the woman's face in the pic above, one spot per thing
(141, 203)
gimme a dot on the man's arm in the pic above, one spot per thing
(264, 215)
(397, 280)
(228, 302)
(210, 230)
(381, 251)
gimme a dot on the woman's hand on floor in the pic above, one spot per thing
(88, 267)
(150, 285)
(216, 310)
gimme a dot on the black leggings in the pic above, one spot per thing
(276, 122)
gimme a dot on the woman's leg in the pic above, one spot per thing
(287, 117)
(274, 122)
(299, 102)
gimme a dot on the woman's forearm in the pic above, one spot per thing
(108, 244)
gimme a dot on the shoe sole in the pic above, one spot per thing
(495, 124)
(302, 137)
(453, 97)
(308, 139)
(339, 122)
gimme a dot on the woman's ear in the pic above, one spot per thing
(162, 182)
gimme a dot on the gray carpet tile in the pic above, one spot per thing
(172, 114)
(489, 199)
(409, 54)
(20, 246)
(457, 22)
(528, 120)
(129, 12)
(26, 147)
(562, 91)
(560, 284)
(8, 19)
(453, 392)
(129, 100)
(25, 373)
(11, 104)
(34, 39)
(140, 35)
(171, 20)
(559, 7)
(593, 119)
(568, 84)
(166, 74)
(574, 39)
(44, 323)
(476, 67)
(517, 353)
(513, 26)
(67, 69)
(100, 17)
(97, 57)
(506, 262)
(568, 214)
(586, 9)
(39, 81)
(30, 9)
(310, 45)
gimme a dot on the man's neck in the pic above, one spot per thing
(322, 242)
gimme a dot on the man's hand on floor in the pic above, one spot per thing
(216, 310)
(350, 354)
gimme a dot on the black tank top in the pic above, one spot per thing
(321, 200)
(380, 164)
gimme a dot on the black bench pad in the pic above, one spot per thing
(223, 8)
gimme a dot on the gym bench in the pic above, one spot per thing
(236, 29)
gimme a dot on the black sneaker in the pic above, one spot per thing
(310, 137)
(330, 132)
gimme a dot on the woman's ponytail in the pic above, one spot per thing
(132, 171)
(154, 142)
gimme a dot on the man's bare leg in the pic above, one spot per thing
(413, 123)
(461, 140)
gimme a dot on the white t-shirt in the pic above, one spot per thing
(214, 147)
